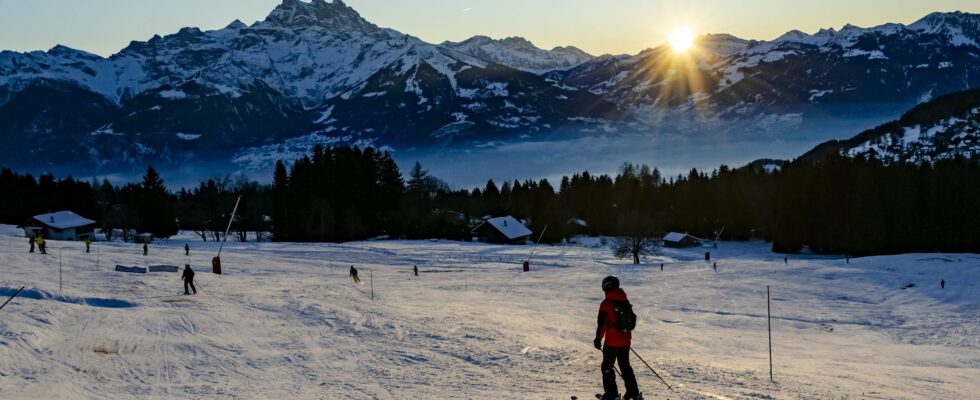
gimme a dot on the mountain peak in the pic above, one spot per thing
(517, 42)
(938, 20)
(236, 24)
(962, 29)
(332, 15)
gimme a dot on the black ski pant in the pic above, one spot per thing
(189, 282)
(609, 357)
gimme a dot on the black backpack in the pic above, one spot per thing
(625, 317)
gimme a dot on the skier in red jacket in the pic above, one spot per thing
(617, 346)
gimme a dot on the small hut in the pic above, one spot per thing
(506, 230)
(679, 240)
(61, 225)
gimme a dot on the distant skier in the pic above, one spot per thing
(848, 259)
(187, 250)
(146, 249)
(617, 346)
(661, 266)
(353, 275)
(786, 260)
(707, 256)
(416, 269)
(715, 266)
(88, 245)
(942, 284)
(188, 278)
(41, 244)
(31, 240)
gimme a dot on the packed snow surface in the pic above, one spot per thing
(285, 321)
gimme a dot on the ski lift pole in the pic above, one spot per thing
(527, 264)
(216, 261)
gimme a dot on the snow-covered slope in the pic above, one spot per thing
(519, 53)
(286, 321)
(944, 128)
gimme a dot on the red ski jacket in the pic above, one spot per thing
(607, 321)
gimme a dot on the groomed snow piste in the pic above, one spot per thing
(285, 321)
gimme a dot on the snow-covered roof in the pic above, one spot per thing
(509, 227)
(675, 237)
(63, 220)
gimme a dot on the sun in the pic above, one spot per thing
(681, 39)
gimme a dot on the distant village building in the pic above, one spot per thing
(505, 230)
(61, 225)
(143, 238)
(679, 240)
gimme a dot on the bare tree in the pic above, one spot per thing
(638, 238)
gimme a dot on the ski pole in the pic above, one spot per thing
(651, 369)
(11, 297)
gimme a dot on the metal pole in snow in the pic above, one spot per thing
(536, 243)
(98, 256)
(371, 276)
(222, 246)
(59, 269)
(769, 320)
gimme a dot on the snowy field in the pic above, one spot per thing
(285, 321)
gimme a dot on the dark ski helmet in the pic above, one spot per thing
(609, 283)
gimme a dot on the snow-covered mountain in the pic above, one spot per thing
(519, 53)
(317, 72)
(944, 128)
(797, 72)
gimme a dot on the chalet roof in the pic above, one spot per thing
(676, 237)
(63, 220)
(508, 226)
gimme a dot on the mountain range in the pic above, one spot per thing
(318, 72)
(944, 128)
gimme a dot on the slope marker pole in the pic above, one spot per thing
(769, 321)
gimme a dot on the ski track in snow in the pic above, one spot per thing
(286, 321)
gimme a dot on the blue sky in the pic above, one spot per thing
(620, 26)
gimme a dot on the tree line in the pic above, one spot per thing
(839, 205)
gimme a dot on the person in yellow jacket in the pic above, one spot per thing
(41, 245)
(88, 245)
